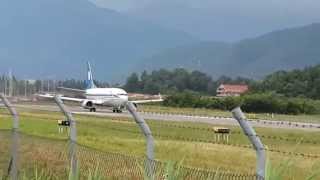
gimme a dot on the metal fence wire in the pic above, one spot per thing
(46, 157)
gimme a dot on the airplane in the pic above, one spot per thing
(94, 96)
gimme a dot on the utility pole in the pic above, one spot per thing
(54, 86)
(5, 86)
(48, 85)
(25, 88)
(10, 83)
(41, 81)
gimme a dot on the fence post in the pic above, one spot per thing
(254, 139)
(72, 137)
(147, 133)
(13, 169)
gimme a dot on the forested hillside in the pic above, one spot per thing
(284, 92)
(296, 83)
(304, 83)
(177, 80)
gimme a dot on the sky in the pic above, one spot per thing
(221, 20)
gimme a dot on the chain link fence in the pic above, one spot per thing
(26, 156)
(46, 157)
(36, 155)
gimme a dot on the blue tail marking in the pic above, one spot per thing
(89, 82)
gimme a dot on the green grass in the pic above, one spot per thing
(212, 112)
(122, 135)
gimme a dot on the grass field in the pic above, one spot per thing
(212, 112)
(175, 141)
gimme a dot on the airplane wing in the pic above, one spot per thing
(72, 90)
(77, 93)
(61, 97)
(50, 96)
(148, 100)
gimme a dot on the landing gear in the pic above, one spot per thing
(92, 109)
(117, 110)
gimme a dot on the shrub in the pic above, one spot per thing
(253, 103)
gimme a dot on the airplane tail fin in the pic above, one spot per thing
(90, 83)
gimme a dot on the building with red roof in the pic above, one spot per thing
(225, 90)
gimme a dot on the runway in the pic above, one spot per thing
(178, 117)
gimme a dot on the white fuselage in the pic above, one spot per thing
(113, 97)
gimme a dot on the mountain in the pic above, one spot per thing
(200, 56)
(225, 20)
(54, 39)
(279, 50)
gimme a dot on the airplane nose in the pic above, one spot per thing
(125, 98)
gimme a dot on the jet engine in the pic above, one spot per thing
(88, 105)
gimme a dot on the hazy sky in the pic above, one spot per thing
(121, 5)
(221, 19)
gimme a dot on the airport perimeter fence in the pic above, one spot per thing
(100, 161)
(189, 138)
(48, 158)
(25, 156)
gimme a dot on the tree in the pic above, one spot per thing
(132, 84)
